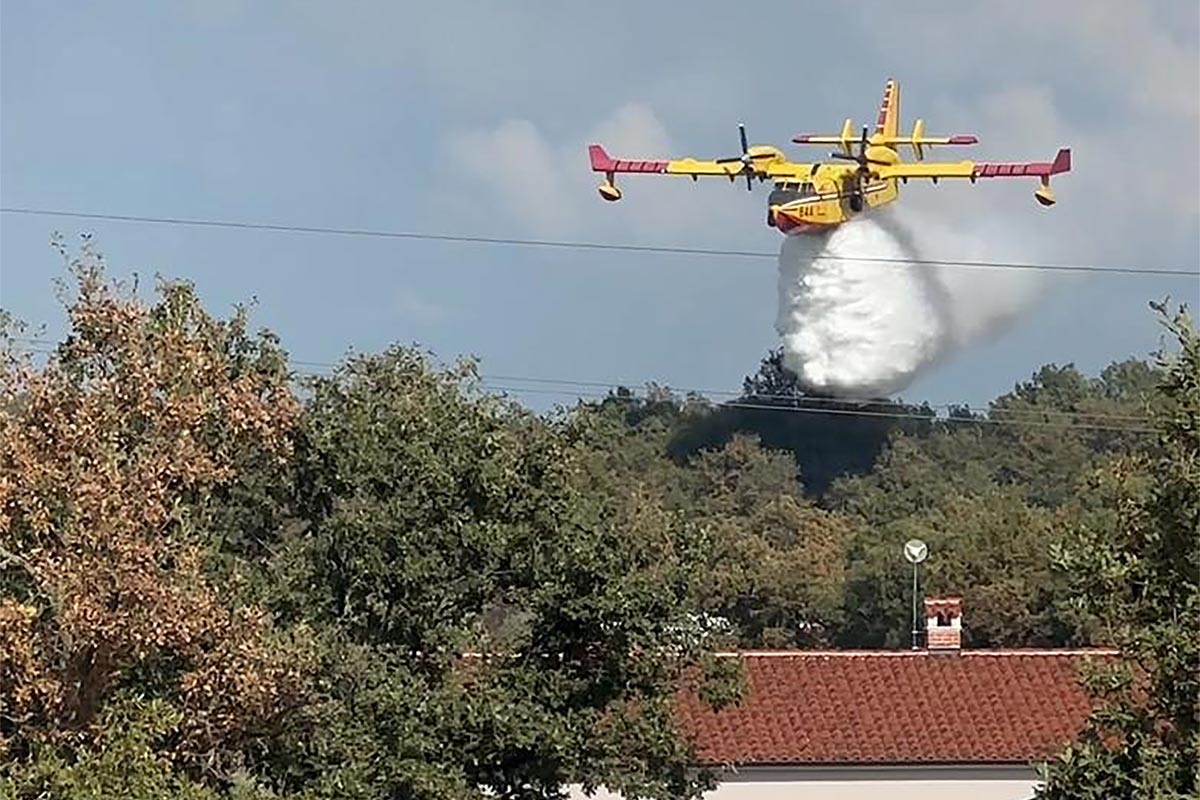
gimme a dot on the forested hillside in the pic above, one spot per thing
(218, 579)
(812, 562)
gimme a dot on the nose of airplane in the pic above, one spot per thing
(783, 220)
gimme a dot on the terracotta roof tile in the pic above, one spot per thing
(896, 707)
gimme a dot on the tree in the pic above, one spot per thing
(827, 437)
(991, 547)
(1142, 578)
(402, 587)
(489, 622)
(991, 493)
(110, 454)
(775, 568)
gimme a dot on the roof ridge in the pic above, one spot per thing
(997, 652)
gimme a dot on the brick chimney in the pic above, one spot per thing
(943, 624)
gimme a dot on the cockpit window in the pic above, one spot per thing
(790, 191)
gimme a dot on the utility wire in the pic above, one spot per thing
(327, 367)
(573, 245)
(592, 392)
(853, 412)
(322, 369)
(808, 399)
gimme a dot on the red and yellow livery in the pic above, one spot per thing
(865, 172)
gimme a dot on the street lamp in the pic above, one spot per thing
(915, 551)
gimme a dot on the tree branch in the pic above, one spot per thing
(8, 557)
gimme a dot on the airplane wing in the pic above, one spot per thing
(757, 162)
(603, 162)
(768, 162)
(973, 170)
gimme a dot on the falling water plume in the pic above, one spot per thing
(864, 329)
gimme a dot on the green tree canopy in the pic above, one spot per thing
(1142, 579)
(218, 581)
(401, 587)
(492, 623)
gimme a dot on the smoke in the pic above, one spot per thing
(856, 328)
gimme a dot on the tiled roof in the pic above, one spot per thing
(896, 707)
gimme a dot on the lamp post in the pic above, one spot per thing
(915, 552)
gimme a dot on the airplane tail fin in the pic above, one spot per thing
(1061, 162)
(888, 122)
(887, 130)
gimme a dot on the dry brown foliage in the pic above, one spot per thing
(106, 450)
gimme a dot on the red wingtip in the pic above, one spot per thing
(601, 162)
(1062, 161)
(964, 139)
(802, 138)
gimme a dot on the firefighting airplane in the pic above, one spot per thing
(810, 198)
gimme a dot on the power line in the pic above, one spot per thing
(327, 367)
(590, 389)
(852, 412)
(606, 246)
(806, 399)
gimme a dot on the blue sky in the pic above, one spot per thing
(471, 118)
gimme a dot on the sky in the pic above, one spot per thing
(472, 118)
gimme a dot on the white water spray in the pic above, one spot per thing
(857, 328)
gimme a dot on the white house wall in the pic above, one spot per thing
(865, 783)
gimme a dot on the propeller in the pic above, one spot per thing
(861, 158)
(863, 171)
(746, 161)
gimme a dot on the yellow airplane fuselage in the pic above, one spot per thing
(796, 207)
(863, 173)
(823, 195)
(806, 198)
